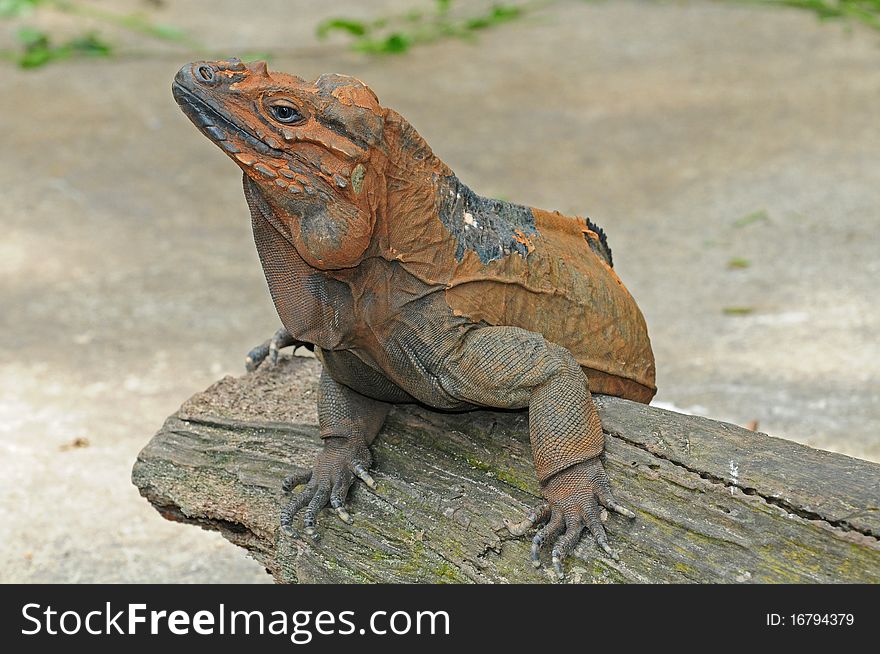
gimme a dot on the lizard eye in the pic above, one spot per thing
(284, 113)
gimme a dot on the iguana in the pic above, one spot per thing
(410, 287)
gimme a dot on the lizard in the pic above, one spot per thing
(411, 288)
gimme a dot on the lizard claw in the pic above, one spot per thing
(288, 531)
(557, 565)
(619, 508)
(361, 473)
(339, 507)
(296, 479)
(539, 514)
(269, 349)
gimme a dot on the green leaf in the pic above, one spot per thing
(864, 11)
(168, 32)
(37, 50)
(35, 57)
(753, 217)
(737, 311)
(13, 8)
(31, 36)
(480, 23)
(398, 33)
(90, 45)
(498, 14)
(737, 262)
(353, 27)
(505, 12)
(395, 43)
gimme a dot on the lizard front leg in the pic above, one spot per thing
(508, 367)
(348, 423)
(269, 349)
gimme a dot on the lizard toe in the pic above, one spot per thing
(296, 479)
(361, 473)
(593, 519)
(565, 544)
(318, 502)
(256, 356)
(553, 527)
(537, 515)
(294, 506)
(269, 349)
(339, 493)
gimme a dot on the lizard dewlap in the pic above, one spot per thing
(410, 287)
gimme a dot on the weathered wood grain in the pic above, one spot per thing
(714, 502)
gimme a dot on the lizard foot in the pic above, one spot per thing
(269, 349)
(574, 500)
(339, 463)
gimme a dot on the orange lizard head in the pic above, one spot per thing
(315, 150)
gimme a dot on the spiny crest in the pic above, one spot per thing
(604, 248)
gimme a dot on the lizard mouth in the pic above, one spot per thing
(214, 124)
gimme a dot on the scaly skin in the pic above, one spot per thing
(411, 288)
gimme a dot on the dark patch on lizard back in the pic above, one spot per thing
(491, 228)
(601, 248)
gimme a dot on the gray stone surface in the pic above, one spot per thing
(128, 279)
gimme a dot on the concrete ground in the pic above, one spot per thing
(695, 132)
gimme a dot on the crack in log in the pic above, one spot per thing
(801, 512)
(237, 425)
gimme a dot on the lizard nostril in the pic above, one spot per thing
(205, 74)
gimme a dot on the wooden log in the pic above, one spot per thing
(714, 502)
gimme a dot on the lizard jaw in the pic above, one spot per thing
(215, 125)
